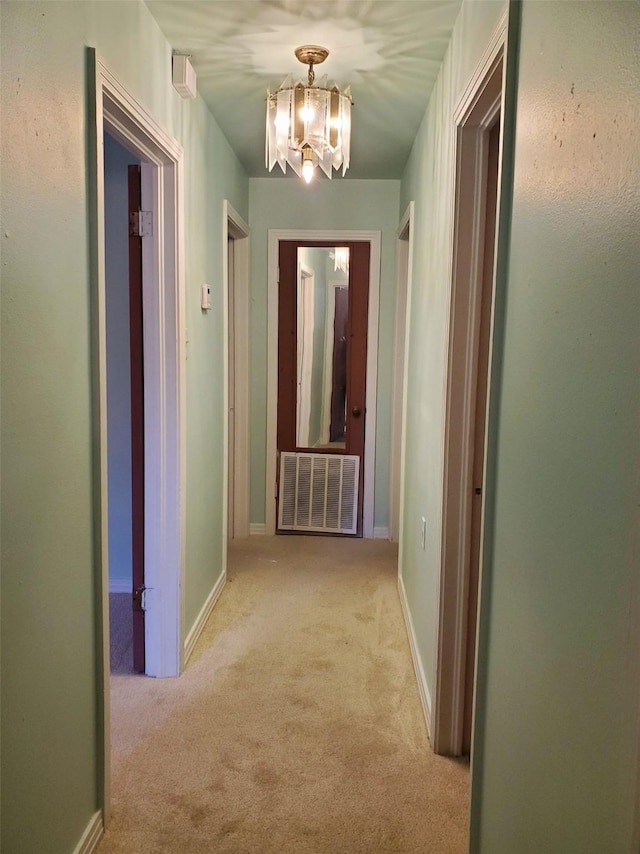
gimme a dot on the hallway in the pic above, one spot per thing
(296, 726)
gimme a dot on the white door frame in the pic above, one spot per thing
(474, 116)
(404, 264)
(373, 238)
(234, 227)
(117, 112)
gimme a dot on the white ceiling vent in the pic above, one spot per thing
(184, 76)
(318, 492)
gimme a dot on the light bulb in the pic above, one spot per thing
(307, 170)
(306, 113)
(309, 161)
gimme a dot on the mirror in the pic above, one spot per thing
(322, 324)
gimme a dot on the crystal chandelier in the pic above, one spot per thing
(309, 126)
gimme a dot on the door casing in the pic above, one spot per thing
(404, 257)
(336, 237)
(475, 115)
(234, 228)
(113, 109)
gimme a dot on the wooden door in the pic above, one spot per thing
(339, 340)
(480, 424)
(137, 415)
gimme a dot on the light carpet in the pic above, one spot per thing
(296, 726)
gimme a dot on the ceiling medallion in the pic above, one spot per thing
(309, 126)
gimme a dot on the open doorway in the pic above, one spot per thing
(478, 143)
(125, 407)
(160, 158)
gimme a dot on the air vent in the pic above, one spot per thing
(318, 492)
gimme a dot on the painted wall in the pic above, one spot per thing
(50, 669)
(557, 715)
(116, 237)
(288, 203)
(428, 180)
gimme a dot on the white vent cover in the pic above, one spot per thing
(183, 76)
(318, 492)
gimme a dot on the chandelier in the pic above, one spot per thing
(309, 126)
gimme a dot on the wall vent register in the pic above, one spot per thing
(318, 492)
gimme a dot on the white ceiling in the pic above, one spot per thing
(388, 50)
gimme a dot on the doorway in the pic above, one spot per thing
(236, 274)
(323, 301)
(125, 404)
(330, 239)
(116, 112)
(478, 143)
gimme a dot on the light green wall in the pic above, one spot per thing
(288, 203)
(557, 710)
(213, 174)
(428, 181)
(50, 678)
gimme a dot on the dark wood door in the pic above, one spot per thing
(137, 415)
(484, 334)
(345, 395)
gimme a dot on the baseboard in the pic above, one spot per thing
(120, 585)
(203, 616)
(91, 836)
(380, 533)
(257, 529)
(423, 689)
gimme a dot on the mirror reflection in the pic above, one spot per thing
(322, 323)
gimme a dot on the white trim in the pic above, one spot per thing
(92, 835)
(201, 620)
(494, 49)
(120, 585)
(410, 214)
(257, 529)
(164, 333)
(233, 226)
(404, 266)
(164, 383)
(374, 240)
(475, 113)
(421, 679)
(381, 533)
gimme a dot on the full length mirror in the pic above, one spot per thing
(322, 323)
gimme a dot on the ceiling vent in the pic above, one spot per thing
(184, 76)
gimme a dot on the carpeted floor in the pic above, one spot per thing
(121, 632)
(296, 727)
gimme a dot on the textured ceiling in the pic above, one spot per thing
(388, 50)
